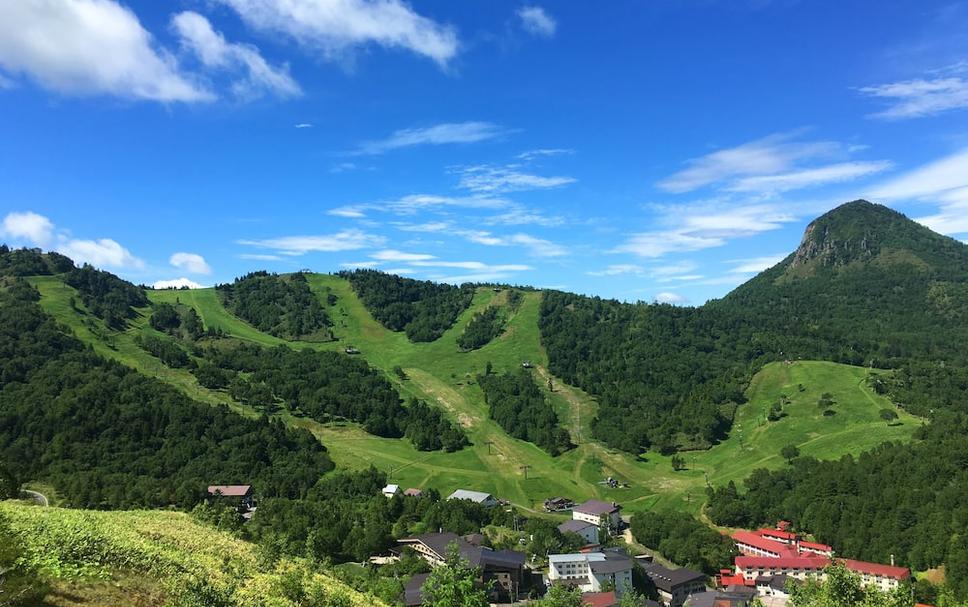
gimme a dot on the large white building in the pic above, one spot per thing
(592, 571)
(478, 497)
(598, 513)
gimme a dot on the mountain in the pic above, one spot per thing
(867, 286)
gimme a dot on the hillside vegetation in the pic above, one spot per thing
(670, 377)
(161, 558)
(420, 308)
(282, 306)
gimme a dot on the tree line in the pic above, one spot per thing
(420, 308)
(517, 404)
(280, 305)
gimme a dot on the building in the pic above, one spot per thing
(586, 530)
(774, 585)
(557, 504)
(675, 585)
(413, 492)
(485, 499)
(502, 571)
(769, 552)
(739, 597)
(599, 513)
(599, 599)
(391, 490)
(591, 571)
(240, 495)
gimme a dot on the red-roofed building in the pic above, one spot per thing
(599, 599)
(816, 548)
(239, 494)
(785, 537)
(727, 578)
(753, 544)
(885, 577)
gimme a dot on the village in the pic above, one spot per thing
(609, 564)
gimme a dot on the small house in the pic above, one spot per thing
(239, 495)
(391, 490)
(599, 513)
(478, 497)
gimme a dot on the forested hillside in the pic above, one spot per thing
(516, 402)
(108, 437)
(420, 308)
(278, 305)
(669, 377)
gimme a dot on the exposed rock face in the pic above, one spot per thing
(821, 243)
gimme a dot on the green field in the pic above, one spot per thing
(440, 373)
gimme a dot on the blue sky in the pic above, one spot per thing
(662, 150)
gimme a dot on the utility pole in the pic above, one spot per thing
(525, 468)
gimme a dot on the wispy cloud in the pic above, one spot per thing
(394, 255)
(490, 179)
(214, 52)
(704, 226)
(259, 257)
(535, 20)
(769, 156)
(754, 265)
(336, 27)
(346, 240)
(832, 173)
(943, 182)
(543, 153)
(303, 125)
(438, 134)
(921, 97)
(619, 269)
(342, 167)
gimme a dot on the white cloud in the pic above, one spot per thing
(543, 152)
(394, 255)
(832, 173)
(260, 257)
(177, 283)
(754, 265)
(303, 125)
(346, 240)
(359, 264)
(536, 21)
(766, 156)
(400, 271)
(919, 98)
(538, 246)
(28, 226)
(90, 47)
(943, 182)
(341, 167)
(214, 52)
(520, 216)
(704, 226)
(338, 26)
(490, 179)
(473, 265)
(438, 134)
(619, 269)
(347, 211)
(430, 226)
(191, 262)
(670, 298)
(103, 253)
(673, 269)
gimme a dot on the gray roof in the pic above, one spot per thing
(709, 598)
(596, 507)
(574, 526)
(474, 496)
(669, 579)
(476, 556)
(411, 593)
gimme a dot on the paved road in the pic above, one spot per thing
(37, 497)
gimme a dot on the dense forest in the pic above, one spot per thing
(483, 327)
(281, 305)
(684, 540)
(107, 437)
(325, 386)
(105, 295)
(517, 404)
(422, 309)
(670, 377)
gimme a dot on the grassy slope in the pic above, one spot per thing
(136, 557)
(439, 373)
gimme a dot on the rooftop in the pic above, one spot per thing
(667, 579)
(230, 490)
(596, 507)
(574, 526)
(474, 496)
